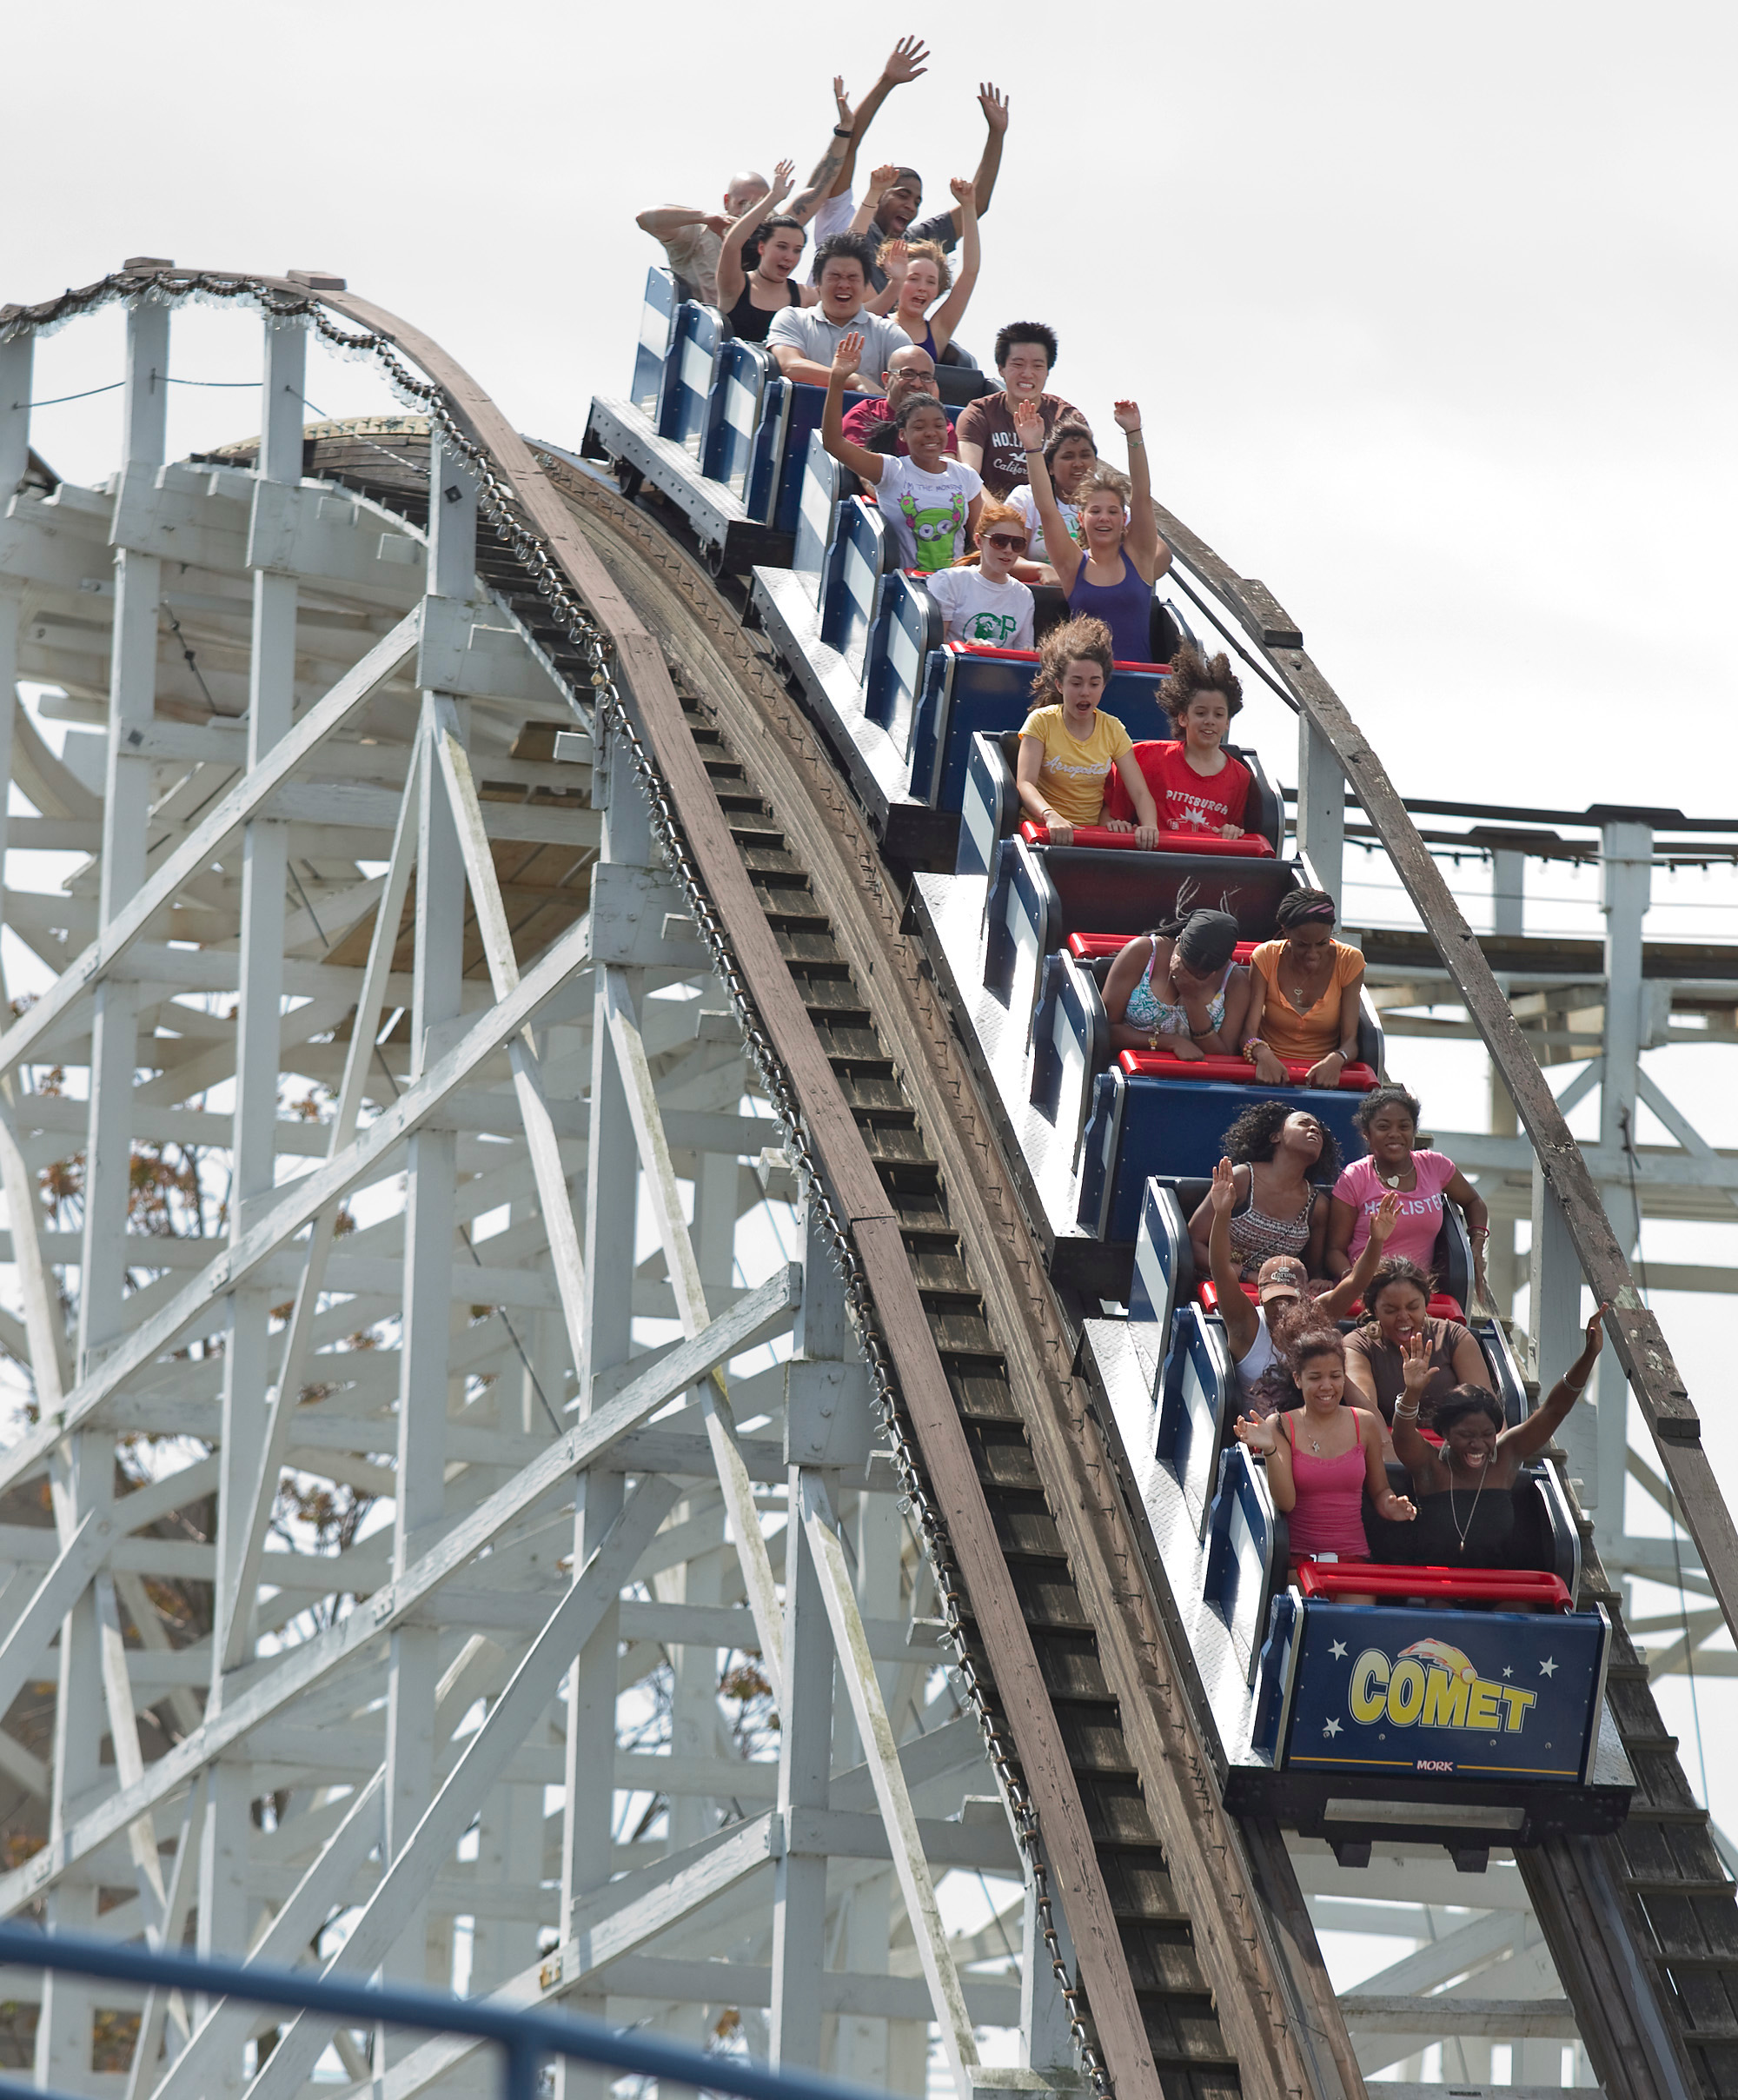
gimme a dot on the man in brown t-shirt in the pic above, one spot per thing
(1024, 352)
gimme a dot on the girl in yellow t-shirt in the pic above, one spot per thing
(1067, 747)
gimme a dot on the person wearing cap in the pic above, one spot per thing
(1282, 1283)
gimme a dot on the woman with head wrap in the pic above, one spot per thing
(1178, 988)
(1303, 995)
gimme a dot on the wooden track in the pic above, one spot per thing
(1206, 1983)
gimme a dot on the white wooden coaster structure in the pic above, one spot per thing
(329, 847)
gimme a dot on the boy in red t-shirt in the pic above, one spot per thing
(1197, 785)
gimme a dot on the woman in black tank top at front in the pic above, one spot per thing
(1464, 1487)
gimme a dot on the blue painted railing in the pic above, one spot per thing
(527, 2040)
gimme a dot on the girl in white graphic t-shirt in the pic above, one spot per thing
(929, 502)
(983, 600)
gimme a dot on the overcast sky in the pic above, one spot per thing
(1430, 308)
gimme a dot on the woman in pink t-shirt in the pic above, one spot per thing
(1387, 1122)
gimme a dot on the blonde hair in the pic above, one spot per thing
(1110, 479)
(928, 251)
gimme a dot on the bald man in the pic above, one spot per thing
(871, 423)
(691, 236)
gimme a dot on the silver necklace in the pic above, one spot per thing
(1454, 1514)
(1391, 1180)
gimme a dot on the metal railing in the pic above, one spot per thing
(527, 2039)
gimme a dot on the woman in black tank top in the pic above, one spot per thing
(1465, 1490)
(758, 261)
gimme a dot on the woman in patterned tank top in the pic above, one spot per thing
(1284, 1160)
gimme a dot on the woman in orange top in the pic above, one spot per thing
(1303, 995)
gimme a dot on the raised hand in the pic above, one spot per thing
(1028, 424)
(895, 259)
(849, 355)
(907, 60)
(881, 179)
(1596, 1334)
(994, 105)
(784, 176)
(846, 116)
(1416, 1372)
(1128, 415)
(1384, 1217)
(1254, 1435)
(965, 191)
(1222, 1195)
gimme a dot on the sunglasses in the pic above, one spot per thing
(1018, 541)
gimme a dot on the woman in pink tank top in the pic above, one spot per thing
(1322, 1455)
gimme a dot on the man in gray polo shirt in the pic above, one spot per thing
(803, 338)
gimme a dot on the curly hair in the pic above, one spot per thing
(1386, 1097)
(1254, 1138)
(1398, 1269)
(1191, 672)
(931, 252)
(1082, 639)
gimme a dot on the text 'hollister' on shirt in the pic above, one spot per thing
(989, 422)
(1071, 775)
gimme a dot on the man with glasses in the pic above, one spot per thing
(871, 423)
(988, 603)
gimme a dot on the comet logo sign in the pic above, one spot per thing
(1434, 1685)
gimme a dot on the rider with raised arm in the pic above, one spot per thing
(1282, 1282)
(919, 274)
(752, 288)
(1456, 1526)
(928, 501)
(906, 61)
(1111, 574)
(894, 197)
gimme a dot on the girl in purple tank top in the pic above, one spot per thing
(1322, 1455)
(1111, 571)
